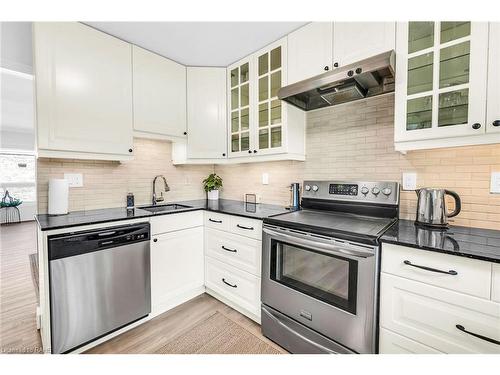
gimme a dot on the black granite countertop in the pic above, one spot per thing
(225, 206)
(483, 244)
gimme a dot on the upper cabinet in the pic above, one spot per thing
(310, 51)
(83, 92)
(259, 123)
(493, 100)
(159, 95)
(441, 85)
(355, 41)
(206, 113)
(321, 46)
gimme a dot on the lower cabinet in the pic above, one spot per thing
(177, 268)
(424, 311)
(240, 289)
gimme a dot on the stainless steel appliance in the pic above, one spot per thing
(431, 207)
(320, 267)
(99, 282)
(366, 78)
(294, 195)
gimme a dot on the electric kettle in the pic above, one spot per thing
(431, 207)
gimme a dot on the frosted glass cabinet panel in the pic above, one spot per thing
(441, 79)
(493, 109)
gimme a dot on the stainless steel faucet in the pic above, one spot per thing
(160, 198)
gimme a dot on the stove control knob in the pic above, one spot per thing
(315, 188)
(307, 187)
(387, 191)
(375, 191)
(365, 190)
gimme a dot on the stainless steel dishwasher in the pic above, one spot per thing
(99, 282)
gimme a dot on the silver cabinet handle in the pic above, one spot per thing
(215, 221)
(243, 227)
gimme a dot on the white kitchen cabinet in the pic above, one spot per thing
(422, 310)
(493, 100)
(177, 268)
(206, 113)
(159, 95)
(355, 41)
(83, 92)
(495, 282)
(259, 123)
(441, 85)
(310, 51)
(392, 343)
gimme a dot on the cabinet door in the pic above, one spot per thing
(159, 94)
(240, 87)
(84, 89)
(309, 51)
(270, 77)
(206, 113)
(177, 267)
(440, 79)
(493, 109)
(354, 41)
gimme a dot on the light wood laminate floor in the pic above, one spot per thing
(18, 333)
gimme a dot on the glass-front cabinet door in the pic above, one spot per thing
(270, 109)
(440, 79)
(239, 82)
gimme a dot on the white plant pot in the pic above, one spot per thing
(213, 195)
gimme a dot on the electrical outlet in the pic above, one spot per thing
(74, 179)
(409, 181)
(495, 183)
(265, 178)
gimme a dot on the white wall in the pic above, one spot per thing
(16, 46)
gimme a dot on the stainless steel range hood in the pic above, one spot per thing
(366, 78)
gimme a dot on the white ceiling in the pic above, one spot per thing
(199, 43)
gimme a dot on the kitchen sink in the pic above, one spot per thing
(165, 207)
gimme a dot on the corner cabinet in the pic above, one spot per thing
(83, 92)
(259, 123)
(206, 113)
(441, 85)
(159, 96)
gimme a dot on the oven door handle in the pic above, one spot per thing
(293, 332)
(327, 248)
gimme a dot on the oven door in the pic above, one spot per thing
(325, 284)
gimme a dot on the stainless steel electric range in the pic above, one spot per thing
(320, 267)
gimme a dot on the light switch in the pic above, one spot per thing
(409, 181)
(74, 179)
(495, 182)
(265, 178)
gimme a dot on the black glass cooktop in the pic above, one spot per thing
(366, 229)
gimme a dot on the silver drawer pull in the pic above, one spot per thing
(450, 272)
(242, 227)
(215, 221)
(231, 285)
(230, 250)
(462, 328)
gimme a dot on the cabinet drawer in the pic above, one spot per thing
(238, 286)
(246, 227)
(472, 276)
(217, 221)
(495, 282)
(176, 221)
(392, 343)
(241, 252)
(430, 315)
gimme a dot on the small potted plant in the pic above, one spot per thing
(212, 184)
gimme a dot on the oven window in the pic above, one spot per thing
(329, 278)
